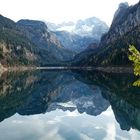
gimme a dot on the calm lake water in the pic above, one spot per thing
(69, 105)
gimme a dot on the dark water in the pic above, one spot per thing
(66, 105)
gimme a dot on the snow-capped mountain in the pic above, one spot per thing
(64, 26)
(91, 27)
(88, 27)
(78, 36)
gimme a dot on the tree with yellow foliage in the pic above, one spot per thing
(135, 57)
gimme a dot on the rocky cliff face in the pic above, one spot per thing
(119, 13)
(92, 27)
(39, 34)
(29, 42)
(74, 42)
(126, 19)
(113, 47)
(37, 31)
(15, 47)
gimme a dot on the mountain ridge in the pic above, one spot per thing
(29, 42)
(113, 47)
(78, 36)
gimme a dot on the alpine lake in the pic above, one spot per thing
(69, 105)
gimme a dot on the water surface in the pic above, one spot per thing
(69, 105)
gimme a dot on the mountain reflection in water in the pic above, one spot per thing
(77, 92)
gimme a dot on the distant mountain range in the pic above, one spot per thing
(30, 42)
(78, 36)
(87, 42)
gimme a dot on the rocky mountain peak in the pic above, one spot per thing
(119, 12)
(92, 27)
(39, 30)
(6, 22)
(123, 5)
(39, 34)
(34, 24)
(113, 47)
(126, 18)
(79, 35)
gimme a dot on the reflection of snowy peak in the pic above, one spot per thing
(77, 95)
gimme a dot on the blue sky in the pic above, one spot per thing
(60, 10)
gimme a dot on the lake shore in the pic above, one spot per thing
(102, 69)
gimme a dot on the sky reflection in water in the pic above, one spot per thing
(76, 109)
(59, 125)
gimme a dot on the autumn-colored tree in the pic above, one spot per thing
(135, 57)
